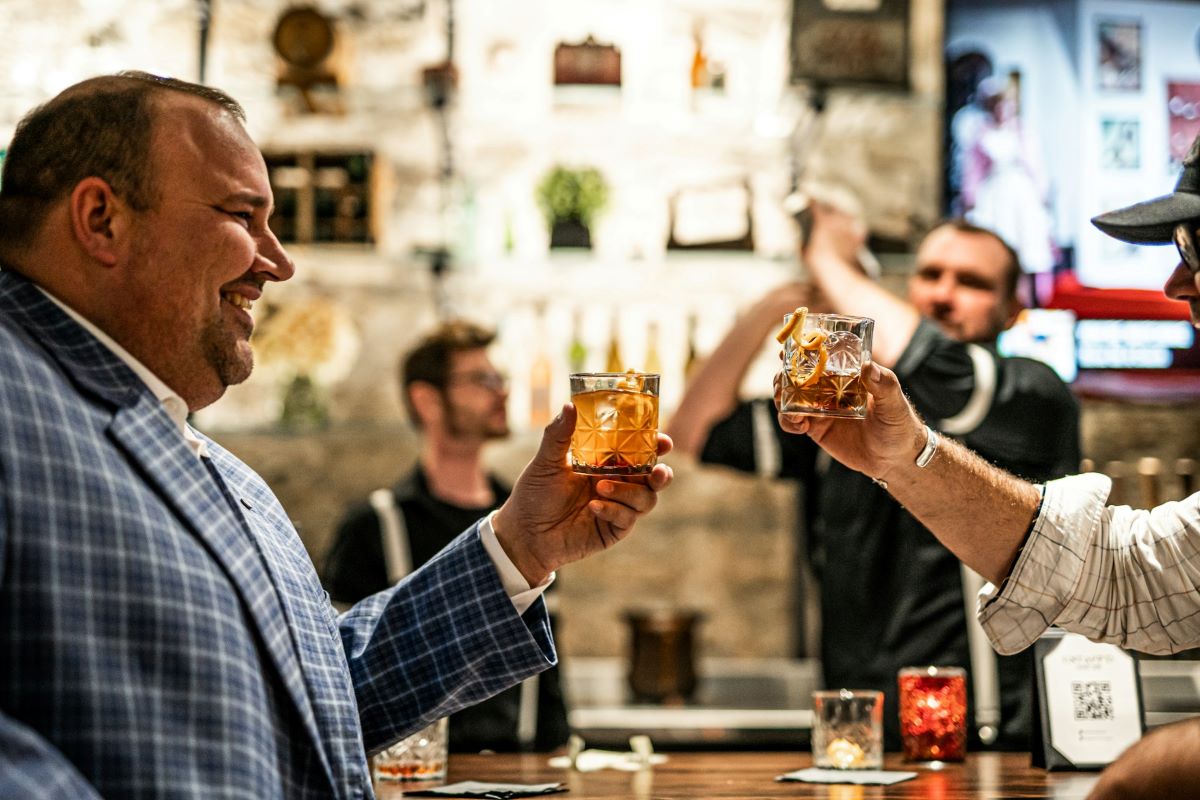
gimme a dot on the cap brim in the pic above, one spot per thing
(1151, 222)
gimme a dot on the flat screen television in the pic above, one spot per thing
(1058, 110)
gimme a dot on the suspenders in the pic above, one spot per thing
(394, 533)
(984, 675)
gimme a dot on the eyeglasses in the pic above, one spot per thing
(1185, 243)
(492, 381)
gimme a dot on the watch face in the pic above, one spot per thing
(303, 37)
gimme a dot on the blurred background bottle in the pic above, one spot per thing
(653, 363)
(540, 376)
(699, 59)
(614, 362)
(689, 363)
(577, 351)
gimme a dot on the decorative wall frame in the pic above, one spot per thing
(862, 42)
(1183, 120)
(1120, 143)
(1118, 54)
(587, 63)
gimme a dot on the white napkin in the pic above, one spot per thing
(865, 777)
(641, 755)
(493, 791)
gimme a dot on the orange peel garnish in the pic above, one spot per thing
(632, 381)
(793, 324)
(801, 381)
(805, 342)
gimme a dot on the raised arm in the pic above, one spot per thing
(976, 510)
(830, 254)
(712, 391)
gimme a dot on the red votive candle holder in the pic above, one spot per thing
(933, 713)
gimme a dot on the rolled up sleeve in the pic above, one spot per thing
(1114, 574)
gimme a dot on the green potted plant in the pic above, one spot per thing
(570, 199)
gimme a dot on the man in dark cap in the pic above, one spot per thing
(1055, 553)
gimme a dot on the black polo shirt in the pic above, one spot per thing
(891, 594)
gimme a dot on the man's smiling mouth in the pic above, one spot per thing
(235, 299)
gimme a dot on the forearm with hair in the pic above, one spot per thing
(978, 511)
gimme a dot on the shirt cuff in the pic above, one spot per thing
(514, 583)
(1049, 567)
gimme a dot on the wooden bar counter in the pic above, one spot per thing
(752, 775)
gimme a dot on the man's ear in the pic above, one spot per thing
(1015, 307)
(426, 401)
(100, 220)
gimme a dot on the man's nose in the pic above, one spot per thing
(1183, 283)
(943, 289)
(272, 262)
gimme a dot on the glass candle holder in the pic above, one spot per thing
(847, 730)
(933, 713)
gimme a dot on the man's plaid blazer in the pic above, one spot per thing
(162, 630)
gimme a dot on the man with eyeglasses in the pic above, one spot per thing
(1056, 554)
(457, 401)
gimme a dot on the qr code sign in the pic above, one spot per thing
(1093, 699)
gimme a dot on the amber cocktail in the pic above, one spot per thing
(823, 359)
(616, 427)
(420, 756)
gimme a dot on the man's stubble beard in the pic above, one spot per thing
(457, 428)
(229, 355)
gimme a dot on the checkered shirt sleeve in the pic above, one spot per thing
(1114, 574)
(443, 638)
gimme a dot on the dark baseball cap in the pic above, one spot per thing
(1154, 221)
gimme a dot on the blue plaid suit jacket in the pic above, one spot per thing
(162, 630)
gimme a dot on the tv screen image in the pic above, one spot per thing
(1054, 115)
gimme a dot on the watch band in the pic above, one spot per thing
(923, 458)
(931, 446)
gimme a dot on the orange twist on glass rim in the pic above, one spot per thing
(632, 381)
(805, 343)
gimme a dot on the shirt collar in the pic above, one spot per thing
(174, 405)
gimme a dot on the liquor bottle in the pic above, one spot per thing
(699, 59)
(540, 375)
(577, 351)
(509, 243)
(689, 364)
(653, 363)
(614, 362)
